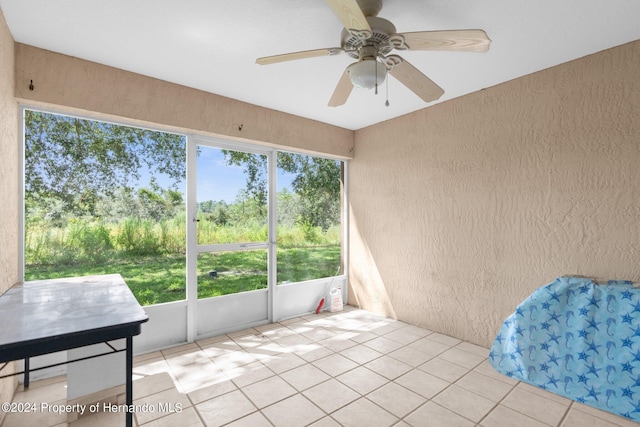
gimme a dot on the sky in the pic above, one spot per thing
(218, 181)
(215, 179)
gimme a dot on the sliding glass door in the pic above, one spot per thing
(228, 241)
(264, 235)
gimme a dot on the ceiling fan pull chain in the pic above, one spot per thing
(386, 103)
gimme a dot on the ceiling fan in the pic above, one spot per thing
(370, 39)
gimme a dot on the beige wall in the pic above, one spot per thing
(458, 211)
(461, 210)
(61, 80)
(8, 182)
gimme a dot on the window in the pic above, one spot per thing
(309, 232)
(104, 198)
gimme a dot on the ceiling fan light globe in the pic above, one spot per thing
(365, 74)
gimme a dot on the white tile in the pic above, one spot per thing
(254, 339)
(385, 326)
(418, 331)
(464, 403)
(187, 357)
(362, 380)
(210, 391)
(152, 384)
(383, 345)
(434, 415)
(396, 399)
(291, 342)
(269, 391)
(249, 374)
(233, 359)
(388, 367)
(484, 386)
(312, 352)
(363, 412)
(185, 418)
(151, 367)
(304, 377)
(335, 364)
(280, 363)
(296, 411)
(535, 406)
(576, 418)
(543, 393)
(219, 348)
(361, 354)
(338, 343)
(195, 371)
(422, 383)
(146, 356)
(430, 347)
(180, 349)
(325, 422)
(254, 420)
(503, 416)
(462, 358)
(607, 416)
(402, 336)
(318, 334)
(278, 331)
(485, 368)
(266, 350)
(445, 339)
(202, 382)
(410, 356)
(153, 401)
(443, 369)
(243, 333)
(224, 409)
(330, 395)
(473, 348)
(363, 336)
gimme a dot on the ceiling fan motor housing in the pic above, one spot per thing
(370, 7)
(381, 29)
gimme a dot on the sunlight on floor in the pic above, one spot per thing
(351, 368)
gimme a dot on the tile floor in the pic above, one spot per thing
(351, 368)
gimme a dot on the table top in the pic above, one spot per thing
(44, 309)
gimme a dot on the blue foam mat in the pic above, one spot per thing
(578, 339)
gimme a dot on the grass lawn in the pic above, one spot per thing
(161, 278)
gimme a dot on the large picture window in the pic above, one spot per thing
(309, 218)
(106, 198)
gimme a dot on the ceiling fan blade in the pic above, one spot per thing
(417, 82)
(342, 91)
(462, 40)
(298, 55)
(352, 17)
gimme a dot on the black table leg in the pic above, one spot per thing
(25, 381)
(129, 386)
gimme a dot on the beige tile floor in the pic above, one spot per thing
(351, 368)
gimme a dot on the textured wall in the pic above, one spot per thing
(461, 210)
(71, 82)
(8, 181)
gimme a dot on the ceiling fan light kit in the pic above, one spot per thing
(367, 74)
(370, 40)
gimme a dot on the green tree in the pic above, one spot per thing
(255, 168)
(317, 183)
(78, 162)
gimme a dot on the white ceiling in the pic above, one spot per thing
(212, 44)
